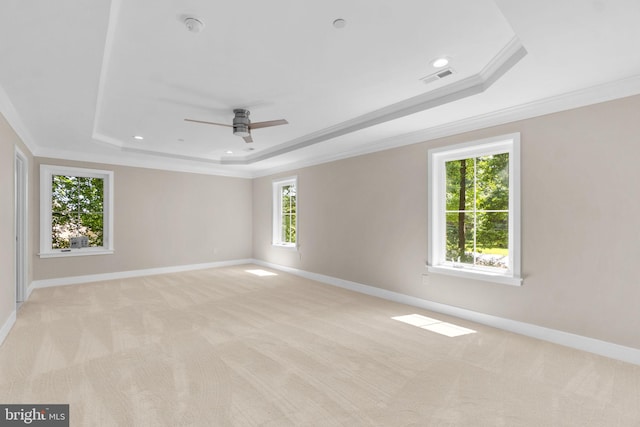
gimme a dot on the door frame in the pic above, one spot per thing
(21, 224)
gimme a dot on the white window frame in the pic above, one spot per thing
(46, 177)
(437, 157)
(277, 211)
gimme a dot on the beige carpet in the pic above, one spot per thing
(224, 347)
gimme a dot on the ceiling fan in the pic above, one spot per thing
(242, 126)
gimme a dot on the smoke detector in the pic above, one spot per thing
(193, 25)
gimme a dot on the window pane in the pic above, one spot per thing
(63, 189)
(292, 202)
(492, 239)
(284, 213)
(62, 228)
(285, 228)
(91, 225)
(292, 229)
(493, 182)
(89, 195)
(77, 208)
(288, 213)
(459, 184)
(288, 232)
(460, 236)
(288, 198)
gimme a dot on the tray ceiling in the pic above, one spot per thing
(81, 79)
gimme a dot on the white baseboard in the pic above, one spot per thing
(4, 331)
(602, 348)
(591, 345)
(74, 280)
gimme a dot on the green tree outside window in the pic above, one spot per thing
(477, 210)
(77, 209)
(288, 198)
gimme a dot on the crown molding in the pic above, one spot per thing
(165, 163)
(593, 95)
(567, 101)
(10, 113)
(508, 56)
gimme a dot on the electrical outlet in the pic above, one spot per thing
(425, 279)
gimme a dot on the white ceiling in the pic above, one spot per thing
(80, 78)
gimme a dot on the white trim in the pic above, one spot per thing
(484, 276)
(566, 101)
(21, 227)
(30, 289)
(436, 183)
(120, 157)
(46, 174)
(579, 342)
(6, 328)
(74, 280)
(10, 113)
(61, 253)
(508, 56)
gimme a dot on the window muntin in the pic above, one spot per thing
(76, 211)
(285, 220)
(474, 225)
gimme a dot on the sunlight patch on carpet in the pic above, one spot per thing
(261, 273)
(434, 325)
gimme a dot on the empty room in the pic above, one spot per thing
(337, 213)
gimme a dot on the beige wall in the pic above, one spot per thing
(8, 142)
(364, 219)
(162, 219)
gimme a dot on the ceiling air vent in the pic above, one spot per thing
(437, 76)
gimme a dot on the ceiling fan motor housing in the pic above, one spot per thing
(241, 122)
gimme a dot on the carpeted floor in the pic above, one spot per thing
(223, 347)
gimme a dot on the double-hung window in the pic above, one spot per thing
(76, 211)
(474, 210)
(285, 204)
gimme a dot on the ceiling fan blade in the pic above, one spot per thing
(247, 139)
(208, 123)
(259, 125)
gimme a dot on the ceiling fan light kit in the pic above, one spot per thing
(241, 122)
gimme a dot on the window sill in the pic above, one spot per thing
(75, 252)
(485, 276)
(283, 246)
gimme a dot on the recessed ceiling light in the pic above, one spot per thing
(440, 62)
(339, 23)
(193, 25)
(138, 137)
(228, 152)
